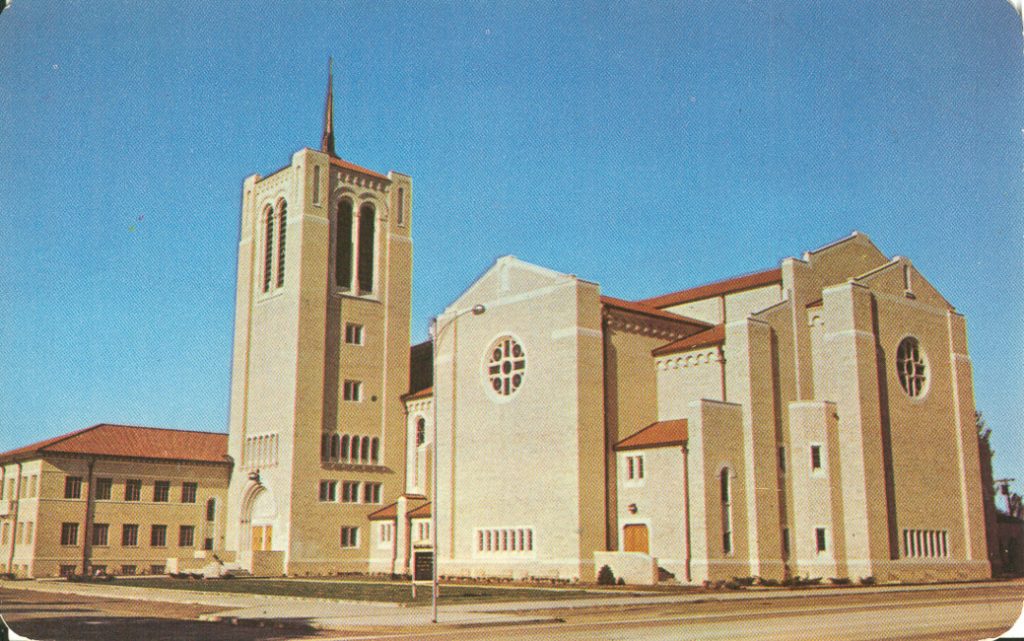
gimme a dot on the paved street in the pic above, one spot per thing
(915, 613)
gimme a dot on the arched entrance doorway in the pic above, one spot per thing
(260, 539)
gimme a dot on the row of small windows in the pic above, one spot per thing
(422, 531)
(260, 451)
(635, 467)
(22, 532)
(27, 490)
(351, 491)
(817, 458)
(275, 224)
(925, 543)
(343, 448)
(504, 540)
(69, 533)
(345, 249)
(103, 490)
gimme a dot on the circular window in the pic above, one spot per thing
(506, 366)
(911, 367)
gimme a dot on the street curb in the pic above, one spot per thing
(286, 624)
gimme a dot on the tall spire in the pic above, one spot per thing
(327, 140)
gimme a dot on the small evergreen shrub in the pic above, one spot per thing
(605, 576)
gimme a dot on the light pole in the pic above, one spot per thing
(436, 332)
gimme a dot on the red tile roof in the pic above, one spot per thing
(129, 441)
(641, 308)
(385, 513)
(422, 512)
(728, 286)
(426, 392)
(660, 434)
(712, 336)
(344, 164)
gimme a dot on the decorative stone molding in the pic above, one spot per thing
(645, 326)
(357, 179)
(694, 358)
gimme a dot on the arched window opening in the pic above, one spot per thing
(726, 490)
(365, 452)
(421, 431)
(343, 246)
(282, 216)
(374, 450)
(268, 246)
(367, 214)
(335, 444)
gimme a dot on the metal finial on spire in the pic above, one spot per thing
(327, 140)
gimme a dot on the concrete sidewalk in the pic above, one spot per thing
(334, 614)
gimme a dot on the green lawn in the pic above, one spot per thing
(392, 592)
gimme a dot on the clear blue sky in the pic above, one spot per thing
(646, 146)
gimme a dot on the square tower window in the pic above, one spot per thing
(353, 391)
(328, 491)
(349, 536)
(353, 334)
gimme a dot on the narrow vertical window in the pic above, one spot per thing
(365, 453)
(374, 449)
(282, 216)
(344, 448)
(726, 490)
(316, 184)
(367, 214)
(339, 447)
(268, 247)
(343, 246)
(401, 207)
(421, 431)
(815, 458)
(819, 539)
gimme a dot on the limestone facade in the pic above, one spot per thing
(815, 419)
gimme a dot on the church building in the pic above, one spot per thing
(815, 418)
(812, 419)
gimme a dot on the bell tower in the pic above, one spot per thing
(321, 359)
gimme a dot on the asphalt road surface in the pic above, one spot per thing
(952, 613)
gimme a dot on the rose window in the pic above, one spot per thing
(506, 365)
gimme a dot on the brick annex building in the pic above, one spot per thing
(815, 418)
